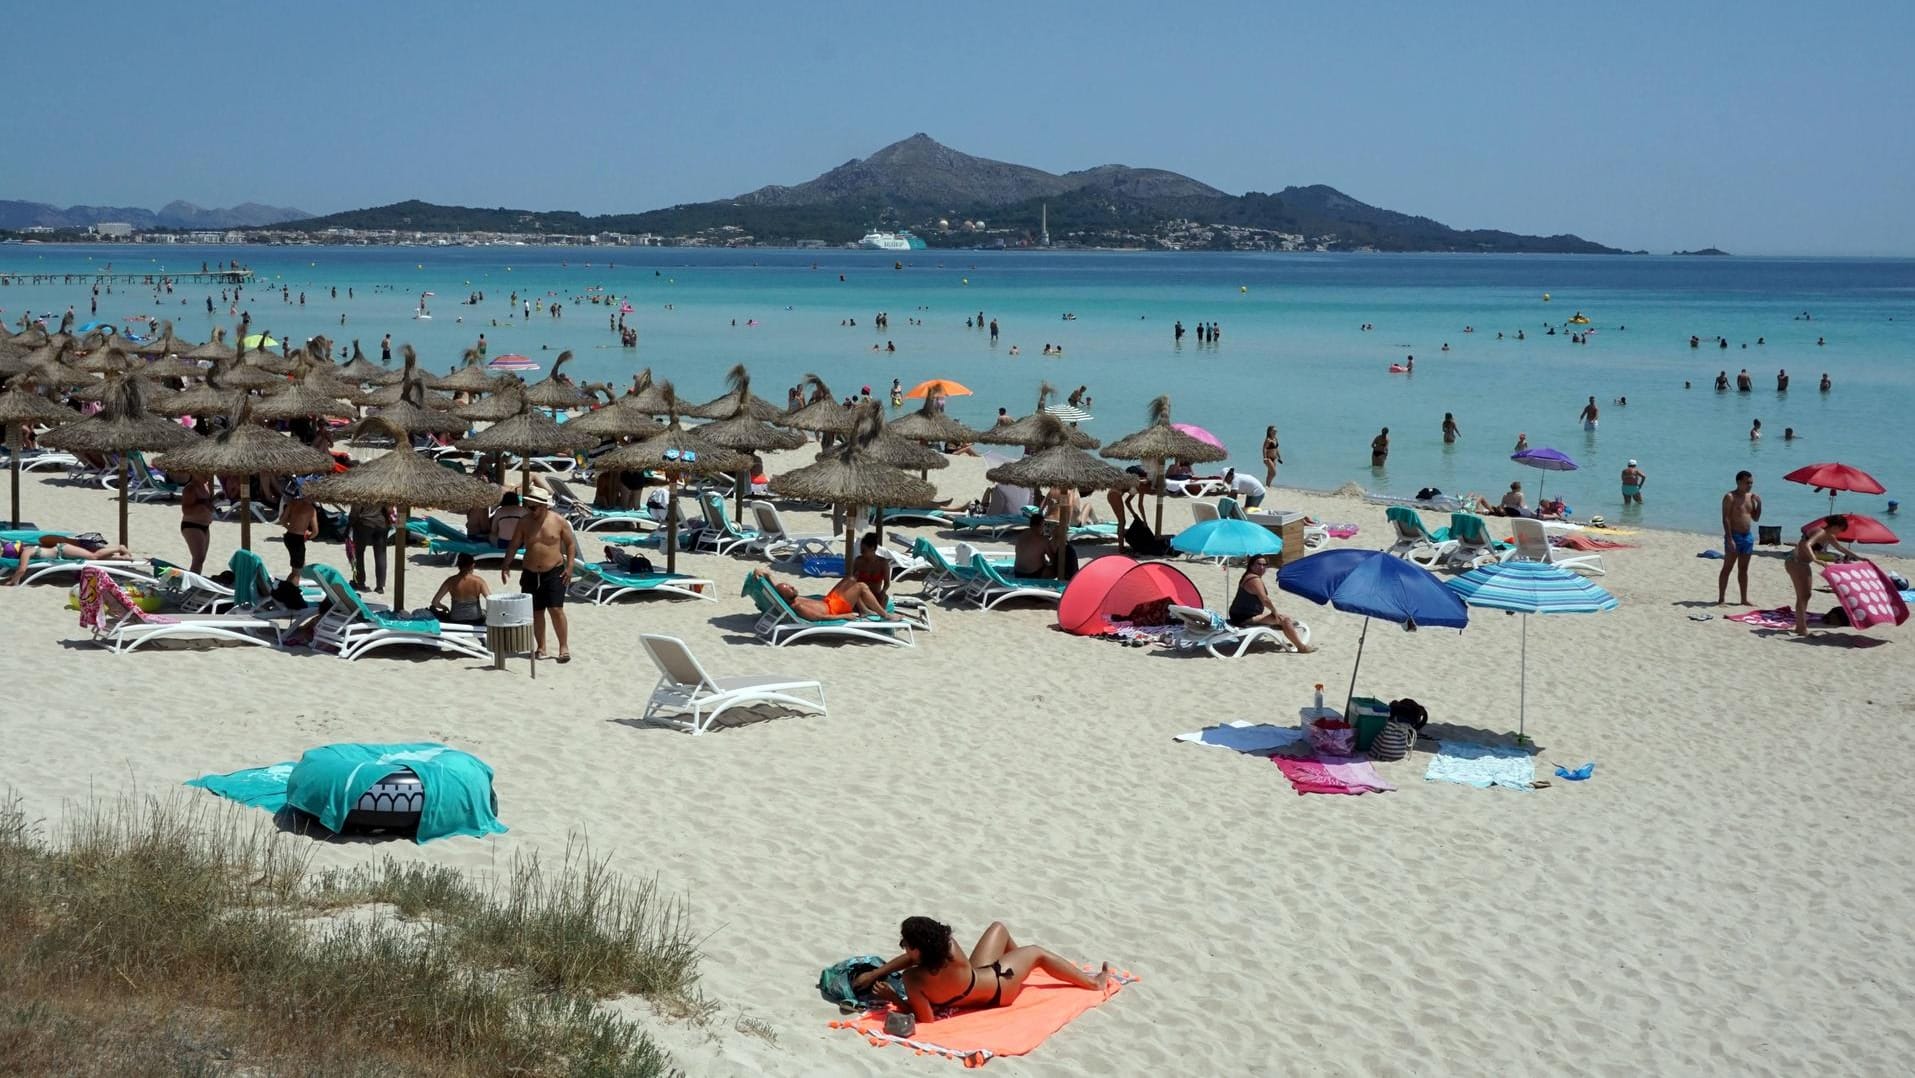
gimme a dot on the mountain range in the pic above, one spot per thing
(15, 216)
(953, 199)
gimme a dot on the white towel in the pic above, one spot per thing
(1257, 739)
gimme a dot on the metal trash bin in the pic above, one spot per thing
(508, 628)
(1769, 534)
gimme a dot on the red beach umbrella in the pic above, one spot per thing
(1833, 477)
(1861, 529)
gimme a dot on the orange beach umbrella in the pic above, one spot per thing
(941, 385)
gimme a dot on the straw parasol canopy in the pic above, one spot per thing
(403, 391)
(470, 378)
(848, 477)
(824, 414)
(892, 451)
(404, 479)
(407, 413)
(620, 419)
(215, 350)
(53, 371)
(529, 433)
(930, 424)
(1060, 464)
(1033, 430)
(122, 427)
(365, 371)
(171, 365)
(730, 402)
(745, 434)
(247, 374)
(18, 408)
(678, 453)
(245, 449)
(214, 397)
(162, 343)
(493, 407)
(105, 357)
(554, 392)
(302, 399)
(650, 397)
(1157, 443)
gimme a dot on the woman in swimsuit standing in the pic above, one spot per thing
(1272, 456)
(1801, 564)
(940, 979)
(196, 520)
(870, 569)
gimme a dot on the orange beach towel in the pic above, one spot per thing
(976, 1037)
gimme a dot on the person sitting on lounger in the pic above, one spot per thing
(1034, 554)
(1252, 605)
(940, 979)
(54, 548)
(847, 597)
(463, 594)
(870, 569)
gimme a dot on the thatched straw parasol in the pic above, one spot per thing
(470, 378)
(215, 350)
(105, 358)
(1031, 431)
(407, 412)
(552, 392)
(650, 397)
(930, 424)
(678, 453)
(162, 343)
(404, 479)
(402, 390)
(620, 419)
(728, 403)
(245, 449)
(302, 399)
(123, 427)
(529, 433)
(18, 408)
(171, 365)
(507, 402)
(1155, 444)
(246, 374)
(823, 414)
(214, 397)
(1060, 464)
(53, 372)
(849, 479)
(366, 372)
(739, 431)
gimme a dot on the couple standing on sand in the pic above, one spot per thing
(1741, 508)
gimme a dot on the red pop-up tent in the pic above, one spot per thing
(1113, 586)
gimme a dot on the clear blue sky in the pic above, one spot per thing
(1761, 127)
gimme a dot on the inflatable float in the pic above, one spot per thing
(1398, 368)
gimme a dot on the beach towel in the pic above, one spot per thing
(327, 783)
(1045, 1006)
(1585, 542)
(1257, 739)
(1781, 617)
(1470, 764)
(1331, 775)
(1866, 594)
(1340, 531)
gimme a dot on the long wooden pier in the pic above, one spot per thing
(217, 276)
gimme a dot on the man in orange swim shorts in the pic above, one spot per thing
(846, 597)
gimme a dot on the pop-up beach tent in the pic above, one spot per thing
(1112, 586)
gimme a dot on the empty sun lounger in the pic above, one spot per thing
(1532, 544)
(352, 627)
(1207, 629)
(1474, 546)
(1414, 541)
(603, 582)
(777, 542)
(719, 534)
(778, 624)
(122, 626)
(684, 687)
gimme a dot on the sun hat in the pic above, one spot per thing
(537, 496)
(1632, 462)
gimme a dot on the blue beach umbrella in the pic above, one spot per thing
(1224, 539)
(1530, 587)
(1375, 585)
(1545, 458)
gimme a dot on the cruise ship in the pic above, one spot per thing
(891, 241)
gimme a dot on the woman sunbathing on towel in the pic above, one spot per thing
(54, 548)
(939, 979)
(846, 597)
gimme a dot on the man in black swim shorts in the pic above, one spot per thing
(550, 547)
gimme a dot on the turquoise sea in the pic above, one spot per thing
(1291, 350)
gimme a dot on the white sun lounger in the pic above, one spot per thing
(777, 542)
(684, 686)
(1532, 544)
(122, 626)
(351, 628)
(1197, 628)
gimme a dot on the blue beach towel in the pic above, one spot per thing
(1470, 764)
(327, 782)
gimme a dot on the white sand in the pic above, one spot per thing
(1729, 895)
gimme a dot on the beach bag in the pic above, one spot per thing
(834, 982)
(1333, 737)
(1409, 713)
(89, 540)
(1395, 742)
(1154, 612)
(287, 594)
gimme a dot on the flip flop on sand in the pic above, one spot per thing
(565, 656)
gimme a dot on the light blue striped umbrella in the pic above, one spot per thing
(1223, 539)
(1530, 587)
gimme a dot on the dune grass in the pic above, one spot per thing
(170, 936)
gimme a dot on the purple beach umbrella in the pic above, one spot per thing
(1549, 460)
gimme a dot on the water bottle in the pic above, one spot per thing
(1319, 696)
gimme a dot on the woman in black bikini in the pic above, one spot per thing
(1801, 564)
(939, 979)
(196, 520)
(1252, 605)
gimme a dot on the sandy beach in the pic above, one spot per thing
(1729, 894)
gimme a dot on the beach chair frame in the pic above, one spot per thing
(684, 686)
(351, 628)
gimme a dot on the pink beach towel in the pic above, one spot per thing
(1045, 1006)
(1782, 617)
(1866, 593)
(1341, 531)
(1331, 775)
